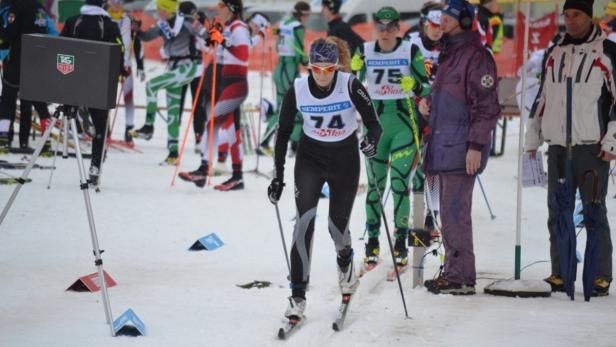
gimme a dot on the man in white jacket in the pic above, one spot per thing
(586, 56)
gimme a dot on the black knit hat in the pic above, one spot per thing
(333, 5)
(582, 5)
(235, 6)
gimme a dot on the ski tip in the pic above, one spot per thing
(281, 334)
(335, 327)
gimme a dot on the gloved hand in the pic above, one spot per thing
(407, 83)
(216, 36)
(141, 75)
(276, 31)
(357, 62)
(125, 72)
(274, 191)
(368, 147)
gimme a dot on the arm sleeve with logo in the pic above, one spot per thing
(363, 104)
(483, 99)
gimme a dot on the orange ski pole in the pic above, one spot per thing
(190, 118)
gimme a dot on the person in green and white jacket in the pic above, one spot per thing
(290, 47)
(395, 72)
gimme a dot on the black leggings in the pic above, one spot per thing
(316, 163)
(99, 119)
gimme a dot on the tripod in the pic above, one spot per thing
(68, 115)
(256, 170)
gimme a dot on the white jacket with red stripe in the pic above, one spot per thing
(592, 67)
(234, 53)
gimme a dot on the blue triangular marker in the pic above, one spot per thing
(209, 242)
(128, 324)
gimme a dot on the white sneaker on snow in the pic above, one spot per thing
(296, 308)
(348, 279)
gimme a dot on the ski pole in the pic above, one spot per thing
(391, 247)
(485, 197)
(284, 243)
(212, 117)
(190, 118)
(117, 107)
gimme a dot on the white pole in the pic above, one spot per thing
(523, 116)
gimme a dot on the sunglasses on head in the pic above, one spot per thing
(322, 69)
(389, 27)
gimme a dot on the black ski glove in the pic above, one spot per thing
(274, 191)
(368, 146)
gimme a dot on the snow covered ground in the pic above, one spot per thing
(191, 298)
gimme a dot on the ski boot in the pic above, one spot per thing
(46, 151)
(171, 159)
(94, 175)
(371, 260)
(4, 143)
(601, 287)
(128, 138)
(296, 308)
(146, 132)
(347, 278)
(401, 252)
(234, 183)
(198, 177)
(556, 282)
(441, 285)
(264, 150)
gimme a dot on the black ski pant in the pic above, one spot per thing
(584, 158)
(99, 119)
(25, 119)
(317, 163)
(10, 88)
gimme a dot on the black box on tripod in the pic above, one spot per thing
(69, 71)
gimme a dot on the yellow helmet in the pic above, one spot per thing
(610, 9)
(169, 6)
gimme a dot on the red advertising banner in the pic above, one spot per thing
(541, 32)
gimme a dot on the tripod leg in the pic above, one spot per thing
(24, 175)
(97, 252)
(65, 134)
(55, 156)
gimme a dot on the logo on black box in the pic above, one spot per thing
(65, 63)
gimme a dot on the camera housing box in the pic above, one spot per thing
(70, 71)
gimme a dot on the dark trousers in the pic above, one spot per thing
(456, 205)
(317, 163)
(25, 119)
(584, 158)
(99, 119)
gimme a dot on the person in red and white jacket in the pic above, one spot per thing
(585, 56)
(233, 47)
